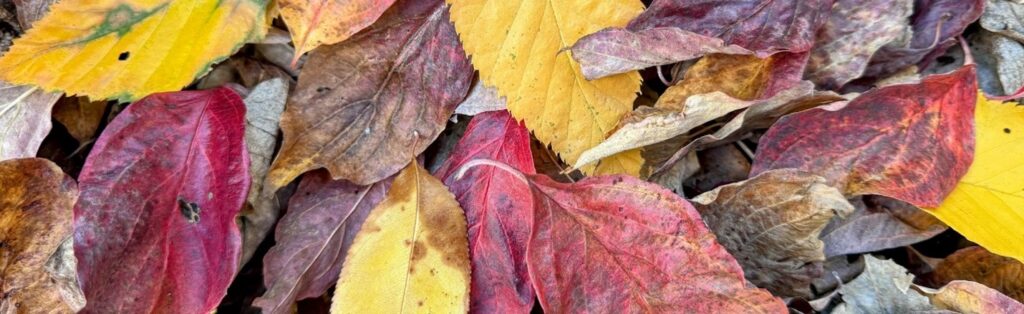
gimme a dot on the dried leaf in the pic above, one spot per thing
(362, 108)
(411, 253)
(616, 50)
(264, 105)
(741, 77)
(24, 119)
(1005, 17)
(936, 23)
(36, 201)
(128, 49)
(80, 116)
(615, 242)
(482, 98)
(856, 29)
(312, 238)
(883, 287)
(771, 222)
(498, 211)
(979, 265)
(881, 224)
(1003, 58)
(543, 84)
(909, 142)
(971, 297)
(318, 22)
(30, 11)
(160, 192)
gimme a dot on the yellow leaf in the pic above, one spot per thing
(411, 255)
(987, 206)
(127, 49)
(324, 22)
(739, 76)
(517, 45)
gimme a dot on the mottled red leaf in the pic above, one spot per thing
(312, 238)
(498, 211)
(910, 142)
(364, 107)
(155, 224)
(675, 30)
(615, 242)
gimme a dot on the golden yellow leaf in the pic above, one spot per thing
(739, 76)
(987, 206)
(127, 49)
(323, 22)
(411, 255)
(517, 45)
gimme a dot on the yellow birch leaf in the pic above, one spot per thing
(411, 255)
(127, 49)
(987, 206)
(324, 22)
(517, 45)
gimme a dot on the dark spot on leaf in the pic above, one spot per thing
(1006, 130)
(322, 89)
(123, 56)
(419, 250)
(420, 303)
(189, 210)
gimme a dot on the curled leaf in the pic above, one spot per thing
(24, 119)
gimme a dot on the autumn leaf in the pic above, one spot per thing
(160, 192)
(971, 297)
(986, 205)
(883, 287)
(910, 142)
(264, 106)
(741, 77)
(935, 25)
(482, 98)
(127, 49)
(976, 264)
(615, 242)
(879, 223)
(312, 238)
(411, 253)
(366, 99)
(24, 119)
(520, 52)
(36, 202)
(323, 22)
(498, 211)
(81, 117)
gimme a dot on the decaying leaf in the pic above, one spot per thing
(1005, 17)
(883, 287)
(263, 105)
(36, 202)
(987, 204)
(971, 297)
(979, 265)
(771, 222)
(312, 238)
(542, 83)
(910, 142)
(30, 11)
(879, 223)
(498, 211)
(482, 98)
(80, 116)
(742, 77)
(615, 242)
(127, 49)
(160, 192)
(363, 108)
(1003, 57)
(411, 254)
(936, 24)
(24, 119)
(323, 22)
(856, 29)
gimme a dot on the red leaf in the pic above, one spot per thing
(617, 242)
(155, 224)
(312, 238)
(910, 142)
(498, 211)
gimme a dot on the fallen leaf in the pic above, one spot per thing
(1004, 17)
(771, 222)
(1002, 56)
(741, 77)
(936, 24)
(313, 23)
(688, 29)
(160, 192)
(30, 11)
(36, 201)
(856, 29)
(986, 205)
(482, 98)
(909, 142)
(883, 287)
(411, 253)
(615, 242)
(127, 49)
(971, 297)
(719, 166)
(80, 116)
(979, 265)
(882, 223)
(263, 105)
(543, 84)
(312, 238)
(498, 211)
(363, 108)
(24, 119)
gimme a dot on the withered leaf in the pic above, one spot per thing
(971, 297)
(935, 23)
(264, 105)
(976, 264)
(80, 116)
(879, 223)
(771, 222)
(883, 287)
(364, 107)
(24, 119)
(1005, 17)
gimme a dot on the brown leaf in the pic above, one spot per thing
(80, 116)
(880, 224)
(365, 107)
(30, 11)
(979, 265)
(36, 201)
(263, 107)
(740, 77)
(971, 297)
(771, 222)
(24, 119)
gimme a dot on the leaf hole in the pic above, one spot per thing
(123, 56)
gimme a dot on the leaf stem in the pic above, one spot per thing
(497, 164)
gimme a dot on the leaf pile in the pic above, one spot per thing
(511, 156)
